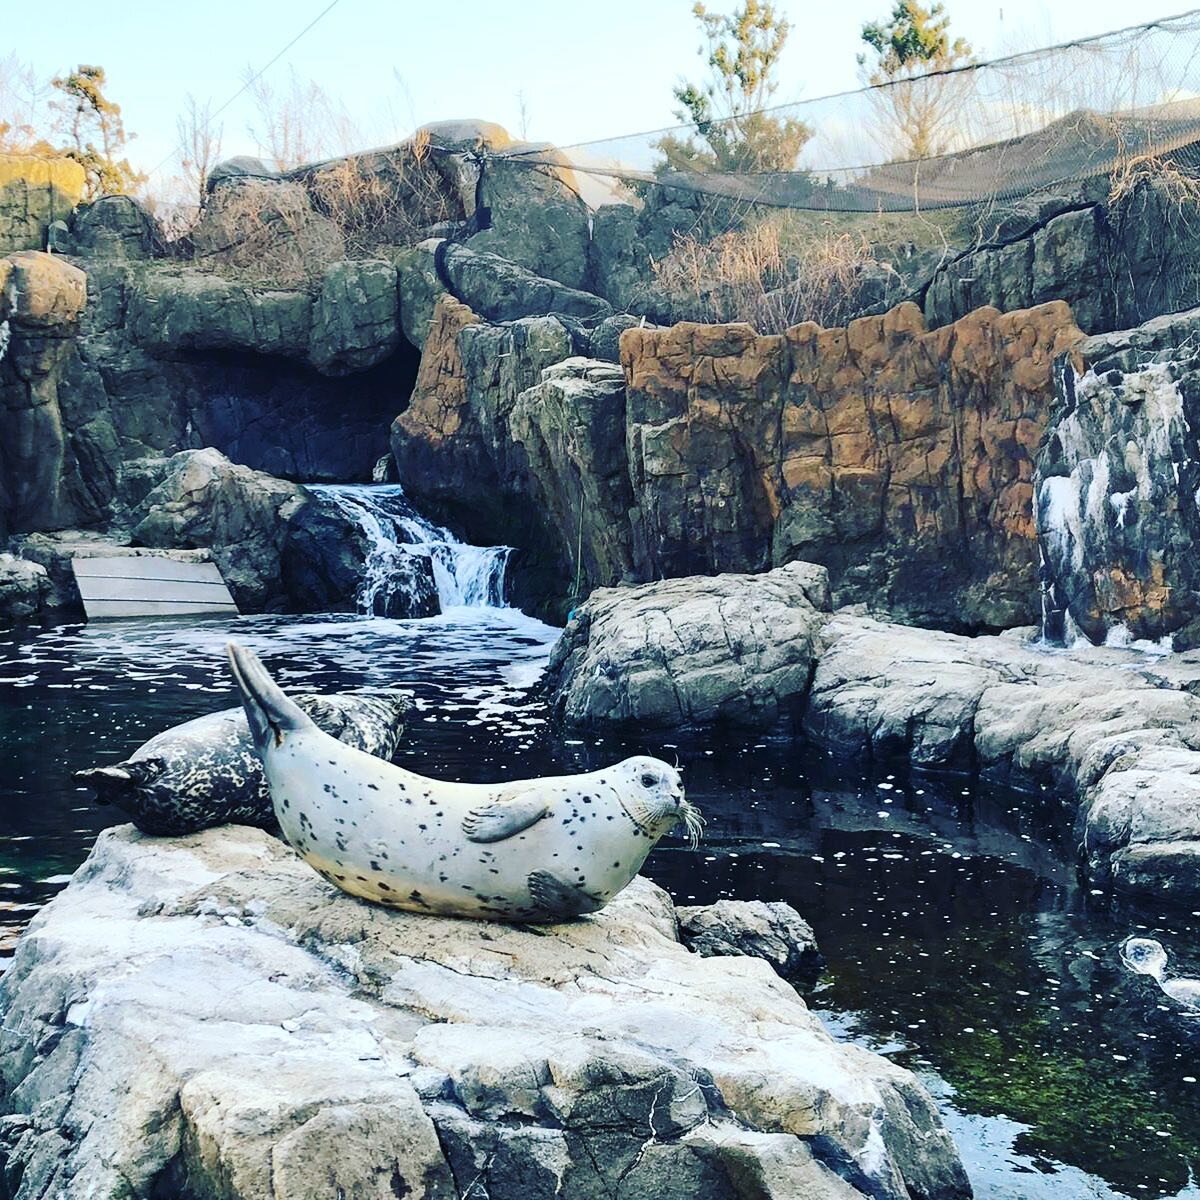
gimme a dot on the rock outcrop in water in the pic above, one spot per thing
(691, 653)
(1112, 735)
(271, 1036)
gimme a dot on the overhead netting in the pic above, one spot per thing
(951, 138)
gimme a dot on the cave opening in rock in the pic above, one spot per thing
(285, 418)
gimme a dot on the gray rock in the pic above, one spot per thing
(323, 561)
(24, 589)
(490, 285)
(1112, 736)
(605, 340)
(419, 288)
(774, 932)
(499, 290)
(173, 310)
(238, 167)
(115, 227)
(537, 218)
(355, 321)
(694, 652)
(570, 428)
(618, 260)
(1116, 264)
(244, 1029)
(240, 515)
(268, 229)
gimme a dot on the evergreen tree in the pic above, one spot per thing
(742, 52)
(96, 134)
(919, 114)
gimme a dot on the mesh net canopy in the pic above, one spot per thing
(952, 138)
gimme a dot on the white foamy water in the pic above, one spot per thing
(466, 576)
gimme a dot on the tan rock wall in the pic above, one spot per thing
(900, 458)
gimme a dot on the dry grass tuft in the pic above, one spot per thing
(751, 275)
(1180, 187)
(388, 199)
(267, 231)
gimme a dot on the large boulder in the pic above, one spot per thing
(491, 286)
(355, 317)
(1111, 735)
(115, 227)
(692, 653)
(174, 310)
(537, 219)
(24, 588)
(204, 500)
(268, 229)
(205, 1016)
(1115, 261)
(35, 191)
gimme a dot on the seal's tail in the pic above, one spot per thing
(268, 710)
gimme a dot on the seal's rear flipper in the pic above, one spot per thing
(269, 712)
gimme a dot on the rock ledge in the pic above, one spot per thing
(205, 1017)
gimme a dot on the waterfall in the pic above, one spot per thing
(466, 576)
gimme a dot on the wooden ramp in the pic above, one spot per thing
(150, 586)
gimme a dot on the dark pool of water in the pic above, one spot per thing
(958, 940)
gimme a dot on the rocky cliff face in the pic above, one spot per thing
(34, 192)
(271, 1036)
(41, 300)
(1118, 482)
(900, 458)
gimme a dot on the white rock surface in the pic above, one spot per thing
(692, 652)
(205, 1017)
(1113, 734)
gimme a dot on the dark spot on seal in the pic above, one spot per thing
(383, 887)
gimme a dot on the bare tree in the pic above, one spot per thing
(25, 115)
(299, 122)
(523, 116)
(199, 143)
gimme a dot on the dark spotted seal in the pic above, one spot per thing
(206, 772)
(535, 850)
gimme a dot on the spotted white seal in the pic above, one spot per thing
(535, 850)
(206, 772)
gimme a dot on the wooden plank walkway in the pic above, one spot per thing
(150, 586)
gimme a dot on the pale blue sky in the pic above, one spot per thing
(587, 71)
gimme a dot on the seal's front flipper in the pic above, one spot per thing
(559, 901)
(505, 816)
(269, 712)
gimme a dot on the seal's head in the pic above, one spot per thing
(651, 792)
(1145, 956)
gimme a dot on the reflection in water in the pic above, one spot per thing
(958, 941)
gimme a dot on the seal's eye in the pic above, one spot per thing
(648, 780)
